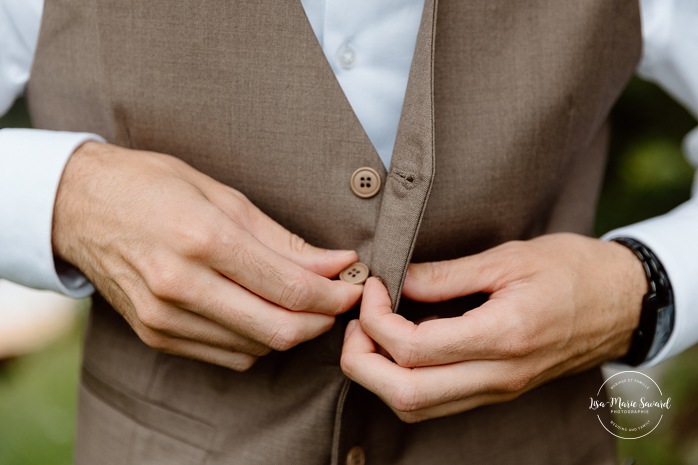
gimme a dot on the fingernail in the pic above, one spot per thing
(350, 328)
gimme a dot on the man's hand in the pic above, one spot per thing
(192, 265)
(558, 304)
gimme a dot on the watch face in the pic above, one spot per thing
(665, 326)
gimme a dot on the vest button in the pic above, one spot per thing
(365, 182)
(356, 456)
(357, 273)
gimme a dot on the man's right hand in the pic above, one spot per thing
(195, 268)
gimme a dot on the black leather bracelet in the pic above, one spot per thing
(657, 316)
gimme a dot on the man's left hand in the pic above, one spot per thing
(558, 304)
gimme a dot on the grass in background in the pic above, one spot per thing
(38, 396)
(38, 392)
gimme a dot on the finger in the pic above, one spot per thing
(325, 262)
(361, 363)
(410, 390)
(452, 408)
(168, 321)
(207, 293)
(251, 316)
(407, 343)
(250, 263)
(510, 388)
(359, 350)
(216, 354)
(446, 280)
(489, 332)
(205, 353)
(375, 298)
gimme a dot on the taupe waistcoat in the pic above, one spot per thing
(502, 137)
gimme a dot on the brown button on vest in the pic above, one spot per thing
(502, 137)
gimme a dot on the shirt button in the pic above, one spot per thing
(355, 274)
(365, 182)
(356, 456)
(346, 55)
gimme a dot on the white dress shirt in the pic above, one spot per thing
(369, 46)
(31, 165)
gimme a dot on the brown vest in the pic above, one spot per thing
(502, 137)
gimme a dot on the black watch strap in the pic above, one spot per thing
(657, 316)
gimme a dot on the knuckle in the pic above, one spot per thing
(326, 323)
(346, 363)
(165, 282)
(521, 341)
(258, 350)
(517, 254)
(284, 338)
(154, 340)
(512, 247)
(507, 252)
(517, 381)
(243, 211)
(242, 362)
(409, 417)
(238, 196)
(242, 203)
(438, 272)
(518, 346)
(406, 399)
(408, 354)
(296, 244)
(296, 293)
(154, 318)
(349, 364)
(200, 241)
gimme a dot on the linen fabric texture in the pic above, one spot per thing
(502, 137)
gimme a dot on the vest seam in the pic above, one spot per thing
(336, 433)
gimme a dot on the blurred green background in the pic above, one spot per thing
(647, 176)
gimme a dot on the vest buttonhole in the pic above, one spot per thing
(405, 178)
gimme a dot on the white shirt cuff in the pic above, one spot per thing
(672, 238)
(31, 166)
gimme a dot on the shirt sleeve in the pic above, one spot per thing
(670, 58)
(31, 165)
(19, 31)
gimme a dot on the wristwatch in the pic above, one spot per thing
(657, 316)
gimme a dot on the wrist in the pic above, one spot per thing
(67, 212)
(630, 283)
